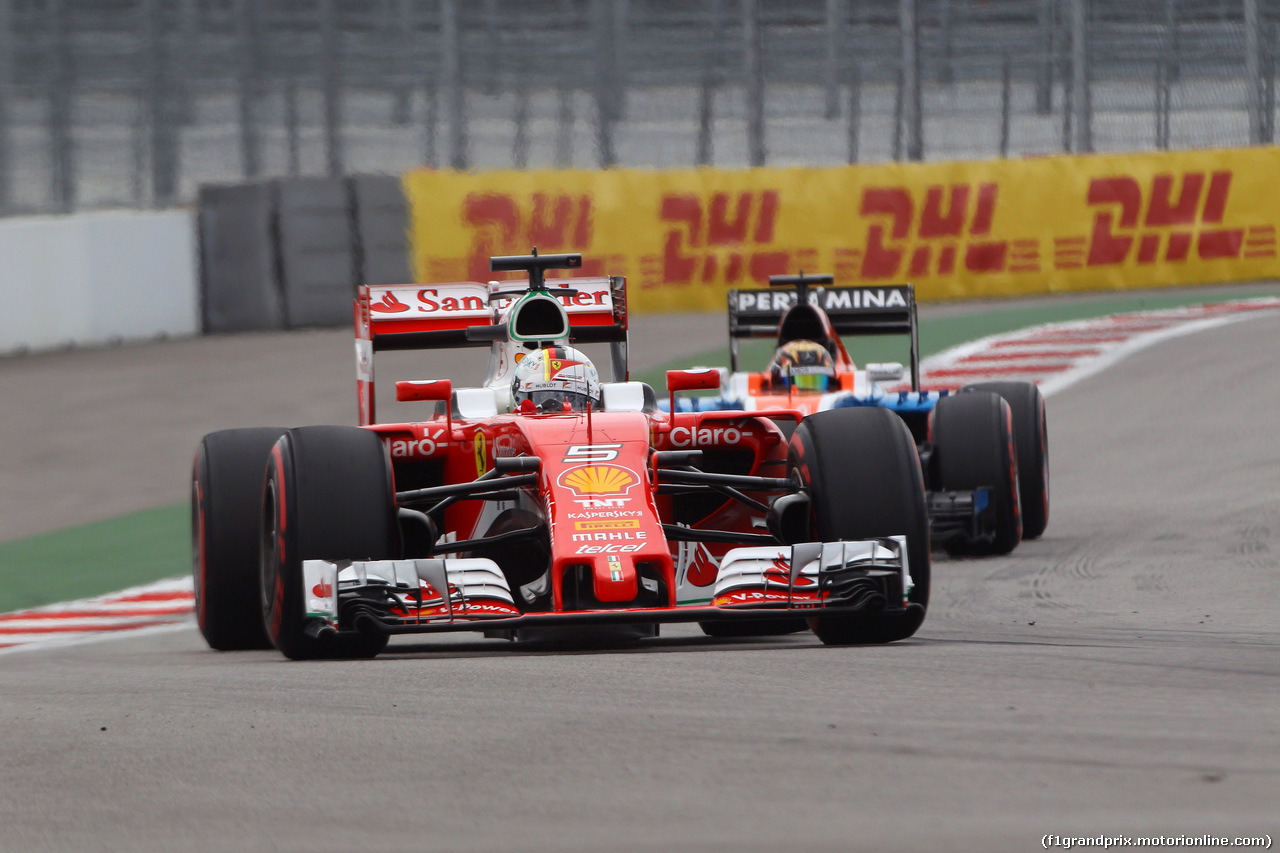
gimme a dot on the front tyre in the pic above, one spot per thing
(226, 483)
(863, 474)
(328, 495)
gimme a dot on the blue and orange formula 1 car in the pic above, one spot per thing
(984, 451)
(547, 500)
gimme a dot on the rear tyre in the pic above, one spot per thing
(863, 473)
(972, 437)
(226, 485)
(328, 495)
(1031, 438)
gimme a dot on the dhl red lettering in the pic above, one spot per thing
(1164, 211)
(553, 221)
(933, 222)
(1168, 205)
(945, 216)
(711, 242)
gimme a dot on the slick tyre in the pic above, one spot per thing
(1031, 439)
(328, 494)
(226, 483)
(863, 474)
(972, 437)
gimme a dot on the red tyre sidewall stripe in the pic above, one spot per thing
(201, 540)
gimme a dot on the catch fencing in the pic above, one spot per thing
(139, 102)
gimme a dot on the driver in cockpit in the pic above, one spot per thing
(802, 366)
(555, 379)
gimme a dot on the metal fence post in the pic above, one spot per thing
(899, 97)
(291, 127)
(1269, 86)
(1162, 105)
(162, 119)
(1082, 141)
(331, 63)
(1068, 102)
(184, 109)
(835, 49)
(912, 120)
(430, 121)
(1173, 41)
(946, 73)
(753, 74)
(60, 94)
(402, 33)
(855, 109)
(246, 36)
(605, 46)
(1044, 70)
(1253, 71)
(564, 103)
(451, 76)
(711, 70)
(1006, 98)
(6, 85)
(520, 144)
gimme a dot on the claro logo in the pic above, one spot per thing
(415, 448)
(704, 436)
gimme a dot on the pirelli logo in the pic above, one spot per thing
(608, 524)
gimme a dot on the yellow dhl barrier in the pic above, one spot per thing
(956, 230)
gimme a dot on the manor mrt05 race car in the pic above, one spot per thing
(983, 447)
(546, 499)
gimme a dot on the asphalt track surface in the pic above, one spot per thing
(1120, 676)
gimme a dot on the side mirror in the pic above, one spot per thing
(428, 389)
(424, 389)
(889, 371)
(692, 379)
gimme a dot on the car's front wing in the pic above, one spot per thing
(437, 595)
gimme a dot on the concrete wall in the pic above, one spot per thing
(95, 278)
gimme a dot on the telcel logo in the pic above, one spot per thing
(704, 436)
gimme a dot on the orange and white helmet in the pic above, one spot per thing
(553, 376)
(804, 366)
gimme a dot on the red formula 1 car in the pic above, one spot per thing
(546, 499)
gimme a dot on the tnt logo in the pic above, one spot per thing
(948, 228)
(706, 242)
(504, 226)
(1176, 218)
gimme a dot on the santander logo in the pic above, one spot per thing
(388, 305)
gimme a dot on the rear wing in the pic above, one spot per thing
(436, 316)
(887, 310)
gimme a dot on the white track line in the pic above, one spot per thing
(1058, 355)
(1055, 356)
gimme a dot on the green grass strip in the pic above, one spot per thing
(95, 559)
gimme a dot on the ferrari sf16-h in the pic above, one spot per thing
(547, 500)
